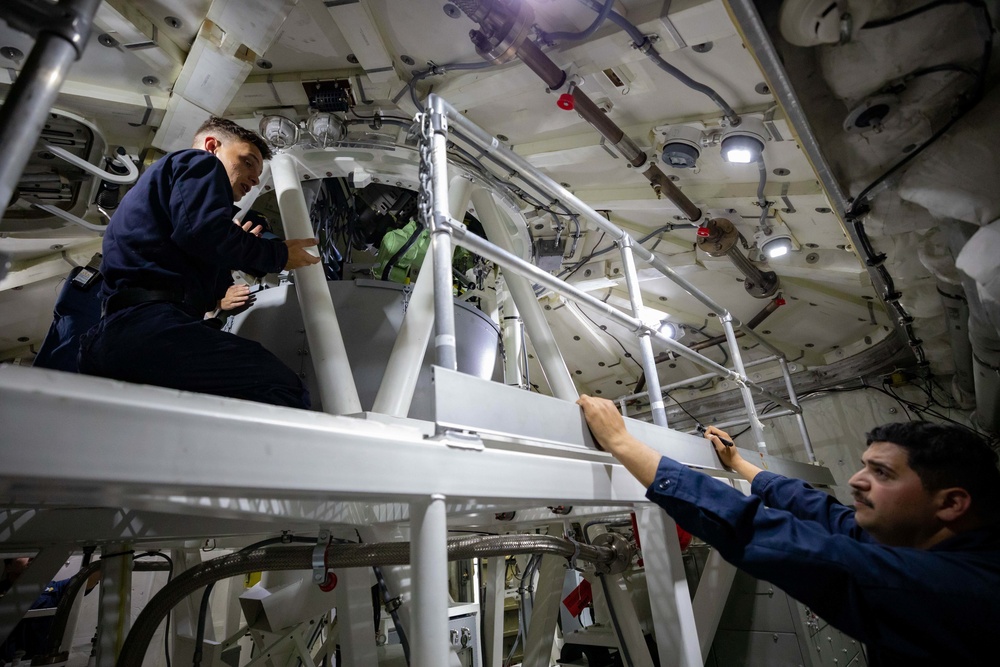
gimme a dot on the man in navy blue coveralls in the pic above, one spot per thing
(168, 256)
(913, 571)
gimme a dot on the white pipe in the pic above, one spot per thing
(68, 217)
(542, 339)
(429, 566)
(337, 388)
(121, 179)
(734, 351)
(446, 355)
(511, 328)
(395, 393)
(645, 346)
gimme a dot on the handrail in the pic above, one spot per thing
(442, 118)
(121, 179)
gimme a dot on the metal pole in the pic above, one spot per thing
(542, 340)
(337, 388)
(507, 260)
(34, 92)
(395, 393)
(115, 611)
(645, 346)
(798, 416)
(736, 422)
(734, 351)
(429, 558)
(444, 308)
(32, 95)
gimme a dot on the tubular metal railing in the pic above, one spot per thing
(435, 125)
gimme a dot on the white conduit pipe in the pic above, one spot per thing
(337, 388)
(429, 558)
(542, 339)
(395, 393)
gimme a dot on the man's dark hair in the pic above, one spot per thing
(945, 456)
(230, 129)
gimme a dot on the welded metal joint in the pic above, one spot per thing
(504, 25)
(620, 547)
(35, 18)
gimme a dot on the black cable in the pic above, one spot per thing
(170, 575)
(552, 37)
(881, 23)
(628, 355)
(402, 251)
(200, 636)
(392, 608)
(678, 404)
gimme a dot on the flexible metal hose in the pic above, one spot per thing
(341, 556)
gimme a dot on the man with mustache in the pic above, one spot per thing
(912, 571)
(169, 252)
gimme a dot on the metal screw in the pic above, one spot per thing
(452, 11)
(351, 58)
(11, 53)
(264, 63)
(107, 40)
(150, 80)
(407, 60)
(702, 48)
(173, 22)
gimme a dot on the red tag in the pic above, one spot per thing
(579, 599)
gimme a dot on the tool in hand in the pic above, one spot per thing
(702, 429)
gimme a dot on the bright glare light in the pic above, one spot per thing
(668, 329)
(777, 247)
(777, 252)
(739, 155)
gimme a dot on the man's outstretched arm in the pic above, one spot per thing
(608, 428)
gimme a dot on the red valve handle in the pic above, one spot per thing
(566, 102)
(704, 232)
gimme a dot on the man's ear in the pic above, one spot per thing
(952, 504)
(209, 143)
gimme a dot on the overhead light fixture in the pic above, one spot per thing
(775, 241)
(669, 329)
(279, 131)
(682, 147)
(744, 143)
(325, 128)
(777, 246)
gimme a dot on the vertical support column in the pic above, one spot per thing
(429, 566)
(337, 388)
(512, 330)
(710, 598)
(492, 609)
(395, 393)
(669, 598)
(115, 603)
(544, 612)
(631, 642)
(32, 95)
(437, 222)
(542, 340)
(734, 352)
(799, 418)
(354, 618)
(645, 345)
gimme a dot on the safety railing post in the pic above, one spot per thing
(806, 442)
(645, 345)
(734, 351)
(434, 216)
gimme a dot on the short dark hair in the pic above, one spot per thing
(945, 456)
(233, 131)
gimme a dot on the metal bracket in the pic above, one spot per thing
(34, 18)
(460, 439)
(622, 549)
(319, 556)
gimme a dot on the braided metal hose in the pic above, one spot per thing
(614, 557)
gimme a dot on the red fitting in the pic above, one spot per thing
(330, 583)
(704, 232)
(779, 301)
(566, 102)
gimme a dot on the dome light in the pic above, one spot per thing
(777, 246)
(279, 131)
(744, 143)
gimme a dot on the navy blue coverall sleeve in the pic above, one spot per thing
(807, 503)
(203, 221)
(912, 603)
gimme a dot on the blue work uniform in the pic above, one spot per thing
(169, 250)
(30, 635)
(910, 606)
